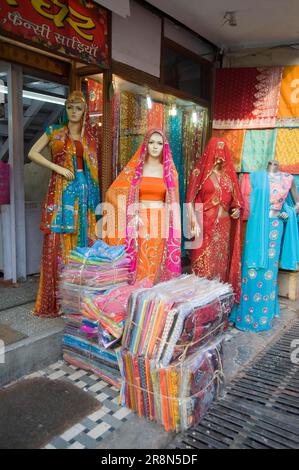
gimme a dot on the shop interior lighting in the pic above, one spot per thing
(194, 116)
(173, 110)
(37, 96)
(149, 101)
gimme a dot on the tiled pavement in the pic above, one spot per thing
(96, 427)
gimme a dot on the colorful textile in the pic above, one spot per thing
(245, 190)
(288, 109)
(268, 241)
(88, 272)
(80, 349)
(158, 318)
(133, 126)
(259, 148)
(246, 98)
(287, 150)
(111, 311)
(212, 192)
(155, 116)
(235, 142)
(68, 210)
(192, 141)
(279, 191)
(63, 151)
(126, 186)
(95, 96)
(177, 397)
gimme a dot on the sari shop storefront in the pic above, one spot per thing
(43, 45)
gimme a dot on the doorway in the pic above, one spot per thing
(30, 105)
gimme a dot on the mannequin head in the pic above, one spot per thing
(273, 166)
(75, 107)
(219, 156)
(155, 146)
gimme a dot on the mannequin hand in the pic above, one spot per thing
(194, 230)
(65, 172)
(283, 216)
(235, 213)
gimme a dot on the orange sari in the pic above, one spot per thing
(152, 236)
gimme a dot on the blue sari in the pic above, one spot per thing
(268, 243)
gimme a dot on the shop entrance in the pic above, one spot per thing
(29, 104)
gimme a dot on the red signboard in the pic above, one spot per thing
(75, 28)
(4, 183)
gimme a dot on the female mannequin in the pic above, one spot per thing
(271, 237)
(146, 196)
(68, 217)
(214, 184)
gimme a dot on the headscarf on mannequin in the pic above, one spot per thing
(202, 171)
(126, 185)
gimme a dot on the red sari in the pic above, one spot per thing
(219, 255)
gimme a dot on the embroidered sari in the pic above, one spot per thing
(153, 255)
(220, 253)
(269, 243)
(68, 215)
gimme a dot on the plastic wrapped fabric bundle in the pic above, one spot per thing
(159, 323)
(111, 311)
(89, 272)
(81, 349)
(177, 396)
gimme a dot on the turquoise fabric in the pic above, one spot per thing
(259, 297)
(175, 136)
(258, 149)
(76, 192)
(268, 242)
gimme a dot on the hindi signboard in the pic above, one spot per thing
(75, 28)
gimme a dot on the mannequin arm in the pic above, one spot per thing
(36, 156)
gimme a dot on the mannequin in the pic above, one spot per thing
(214, 185)
(271, 240)
(68, 217)
(151, 211)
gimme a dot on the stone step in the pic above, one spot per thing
(30, 343)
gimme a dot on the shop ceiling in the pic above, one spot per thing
(259, 22)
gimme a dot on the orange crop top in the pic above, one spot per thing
(152, 189)
(79, 155)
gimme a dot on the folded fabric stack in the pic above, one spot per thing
(177, 396)
(81, 349)
(88, 273)
(91, 271)
(171, 336)
(110, 310)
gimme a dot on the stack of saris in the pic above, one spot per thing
(110, 310)
(81, 349)
(177, 396)
(88, 273)
(91, 271)
(171, 353)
